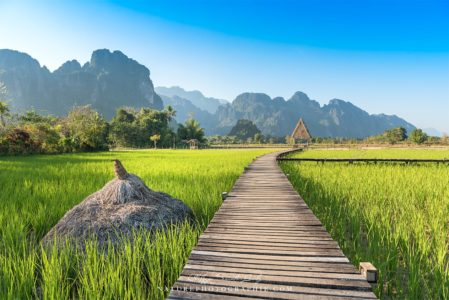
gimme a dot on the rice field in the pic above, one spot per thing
(36, 191)
(393, 215)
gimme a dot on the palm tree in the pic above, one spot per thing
(170, 112)
(4, 112)
(191, 130)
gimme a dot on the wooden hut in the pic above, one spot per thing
(193, 143)
(300, 133)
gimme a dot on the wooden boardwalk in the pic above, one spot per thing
(265, 243)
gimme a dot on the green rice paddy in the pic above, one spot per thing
(393, 215)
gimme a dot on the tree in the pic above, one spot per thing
(191, 130)
(396, 135)
(32, 117)
(244, 129)
(258, 138)
(84, 129)
(131, 128)
(289, 140)
(4, 112)
(19, 141)
(155, 138)
(42, 131)
(171, 113)
(418, 136)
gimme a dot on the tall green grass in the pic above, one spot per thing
(36, 191)
(393, 215)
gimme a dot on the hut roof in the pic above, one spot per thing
(301, 131)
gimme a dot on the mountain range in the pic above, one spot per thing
(111, 80)
(278, 117)
(108, 81)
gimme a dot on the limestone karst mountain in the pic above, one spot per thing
(278, 117)
(108, 81)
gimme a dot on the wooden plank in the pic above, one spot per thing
(333, 267)
(272, 257)
(257, 271)
(275, 251)
(296, 291)
(330, 244)
(290, 234)
(350, 284)
(267, 240)
(254, 236)
(255, 264)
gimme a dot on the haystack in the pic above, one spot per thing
(123, 205)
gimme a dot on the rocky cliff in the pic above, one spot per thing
(108, 81)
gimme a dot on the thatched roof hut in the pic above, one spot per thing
(301, 132)
(193, 143)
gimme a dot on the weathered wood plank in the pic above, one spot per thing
(334, 267)
(331, 244)
(295, 291)
(257, 271)
(272, 257)
(350, 284)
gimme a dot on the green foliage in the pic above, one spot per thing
(84, 129)
(191, 129)
(244, 129)
(392, 215)
(42, 131)
(396, 135)
(36, 191)
(17, 140)
(131, 128)
(258, 138)
(418, 136)
(4, 113)
(32, 117)
(155, 138)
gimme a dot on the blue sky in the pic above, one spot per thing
(384, 56)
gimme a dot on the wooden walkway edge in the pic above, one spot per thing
(265, 243)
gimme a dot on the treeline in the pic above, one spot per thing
(84, 129)
(398, 135)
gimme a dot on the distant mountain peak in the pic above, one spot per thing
(10, 59)
(69, 67)
(209, 104)
(338, 102)
(301, 96)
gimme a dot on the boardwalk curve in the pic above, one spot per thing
(265, 243)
